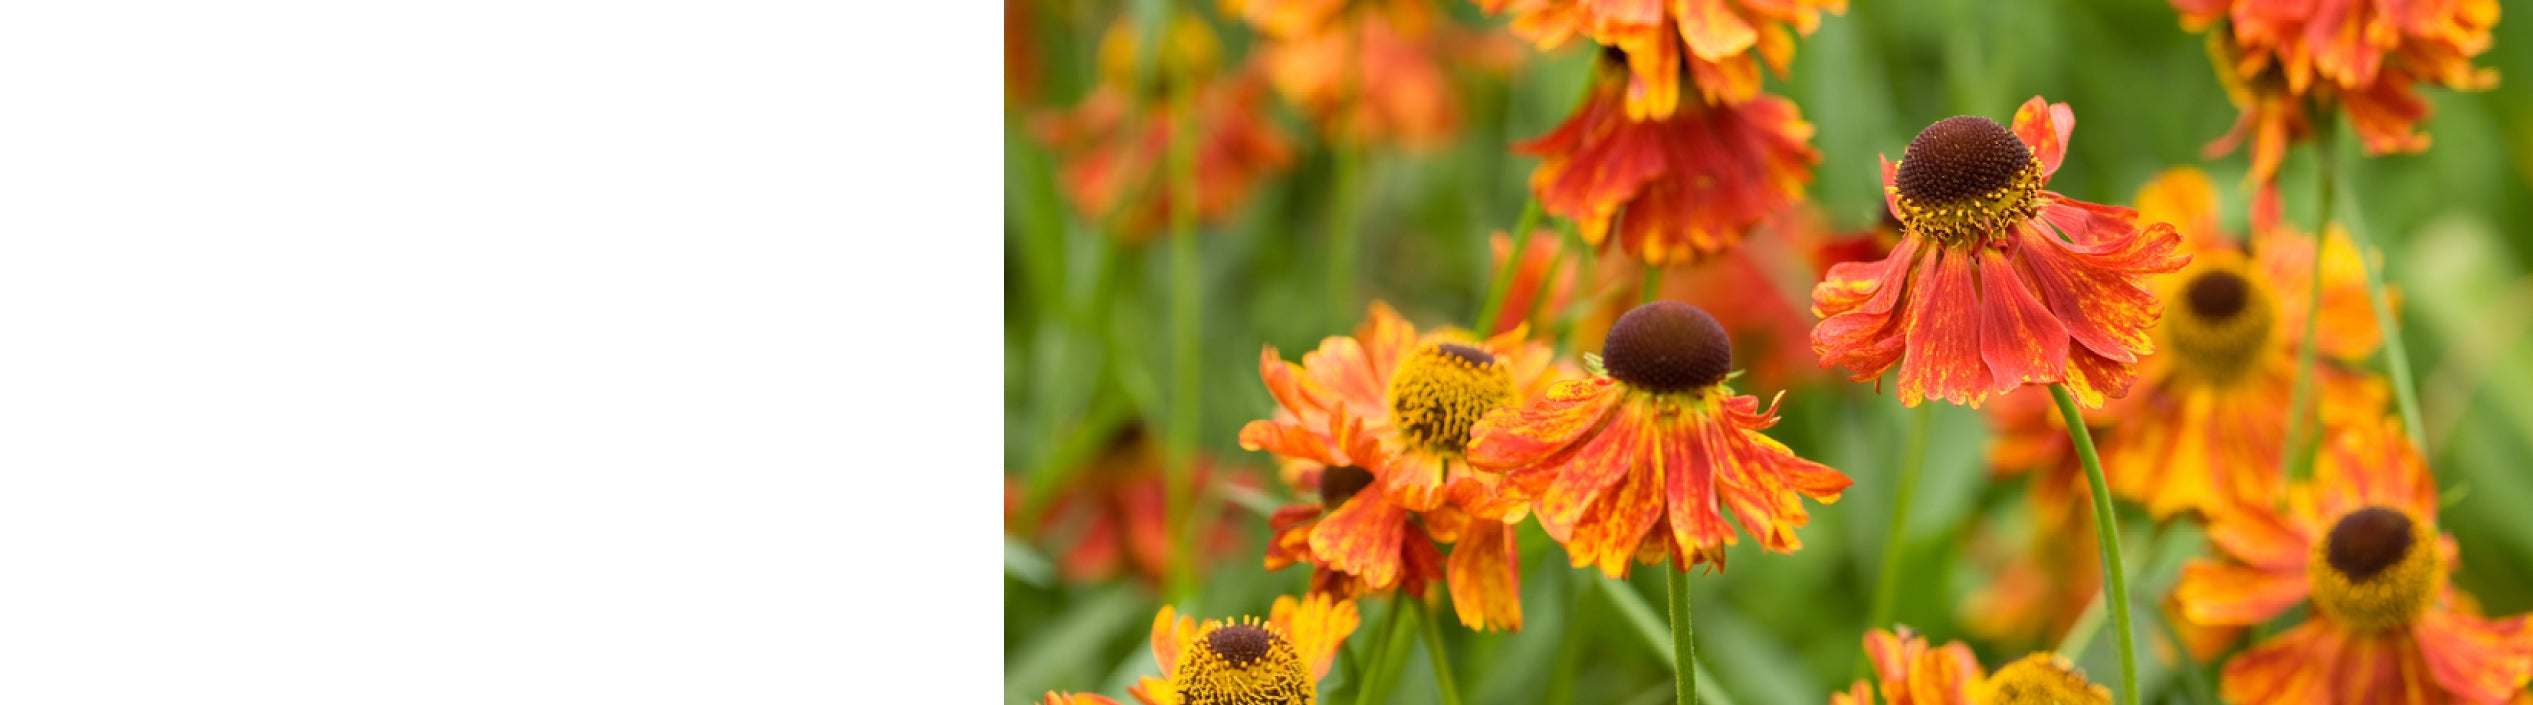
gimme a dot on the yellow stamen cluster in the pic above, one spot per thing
(2043, 679)
(2378, 568)
(1439, 392)
(1242, 663)
(1966, 180)
(2224, 323)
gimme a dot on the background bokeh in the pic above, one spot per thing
(1086, 317)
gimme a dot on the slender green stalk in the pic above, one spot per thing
(1442, 658)
(1389, 657)
(2106, 529)
(1912, 460)
(1683, 637)
(2403, 389)
(1570, 644)
(1503, 281)
(1185, 295)
(1341, 238)
(1652, 287)
(2299, 406)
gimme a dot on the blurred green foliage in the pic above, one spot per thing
(1085, 324)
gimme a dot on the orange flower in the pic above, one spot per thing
(1114, 146)
(2277, 57)
(1753, 290)
(1278, 661)
(1369, 71)
(1110, 517)
(2360, 541)
(1639, 459)
(1384, 419)
(1912, 673)
(1982, 295)
(1679, 187)
(1720, 41)
(2231, 345)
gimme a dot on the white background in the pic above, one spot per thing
(498, 352)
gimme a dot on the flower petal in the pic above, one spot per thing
(2294, 667)
(2018, 338)
(1363, 537)
(1615, 522)
(1612, 453)
(1943, 334)
(1486, 577)
(1711, 29)
(1317, 625)
(1690, 461)
(2479, 660)
(2231, 594)
(2046, 128)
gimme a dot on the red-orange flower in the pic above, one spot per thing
(2280, 58)
(1675, 188)
(2360, 542)
(2230, 344)
(1384, 417)
(1754, 290)
(1370, 71)
(1110, 517)
(1114, 146)
(1721, 42)
(1277, 661)
(1639, 459)
(1914, 673)
(1996, 282)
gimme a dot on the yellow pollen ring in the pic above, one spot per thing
(2043, 679)
(1975, 219)
(1275, 675)
(2212, 343)
(1439, 392)
(2393, 596)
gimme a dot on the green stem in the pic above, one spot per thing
(2290, 457)
(1912, 460)
(1570, 645)
(1652, 286)
(1341, 235)
(1442, 658)
(1503, 281)
(1389, 657)
(1683, 637)
(2106, 529)
(2403, 389)
(1186, 294)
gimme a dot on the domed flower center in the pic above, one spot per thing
(1441, 390)
(1667, 346)
(2224, 322)
(2043, 679)
(1242, 664)
(1965, 178)
(1338, 484)
(2377, 568)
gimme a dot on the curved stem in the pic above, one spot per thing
(1683, 638)
(1502, 284)
(1912, 460)
(2299, 406)
(2106, 528)
(1388, 657)
(1185, 294)
(1442, 659)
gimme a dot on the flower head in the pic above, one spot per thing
(1675, 188)
(1638, 460)
(1114, 146)
(1914, 673)
(2360, 543)
(1996, 282)
(1370, 71)
(2281, 59)
(2230, 343)
(1248, 662)
(1720, 42)
(1381, 423)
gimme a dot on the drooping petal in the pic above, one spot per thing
(1486, 577)
(1711, 29)
(2292, 668)
(1317, 625)
(1511, 438)
(2018, 338)
(1610, 528)
(1943, 334)
(1291, 440)
(1696, 516)
(2228, 594)
(1289, 540)
(2479, 660)
(1600, 464)
(2095, 289)
(1363, 537)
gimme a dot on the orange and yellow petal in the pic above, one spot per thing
(1485, 577)
(1364, 537)
(2476, 660)
(1318, 625)
(1056, 698)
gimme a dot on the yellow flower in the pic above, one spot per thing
(1248, 662)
